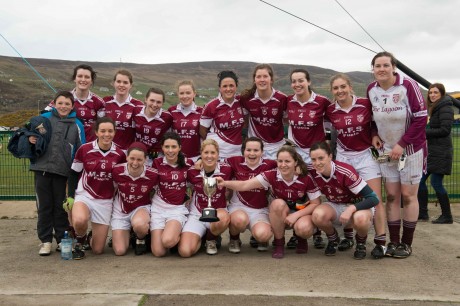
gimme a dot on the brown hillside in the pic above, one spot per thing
(21, 88)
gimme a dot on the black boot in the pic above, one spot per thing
(446, 216)
(422, 196)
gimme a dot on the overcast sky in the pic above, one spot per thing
(419, 32)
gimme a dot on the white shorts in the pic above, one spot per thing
(255, 215)
(122, 221)
(194, 225)
(410, 175)
(100, 210)
(305, 154)
(339, 209)
(162, 212)
(364, 164)
(271, 149)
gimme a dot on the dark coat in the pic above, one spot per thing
(19, 145)
(438, 135)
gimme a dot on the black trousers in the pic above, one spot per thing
(51, 192)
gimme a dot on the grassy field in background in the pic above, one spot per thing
(16, 181)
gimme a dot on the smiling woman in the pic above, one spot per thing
(152, 122)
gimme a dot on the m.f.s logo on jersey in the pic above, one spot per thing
(360, 118)
(274, 111)
(312, 114)
(396, 98)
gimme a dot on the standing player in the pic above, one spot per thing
(186, 119)
(351, 117)
(350, 199)
(305, 114)
(194, 229)
(222, 118)
(249, 209)
(152, 122)
(400, 114)
(168, 211)
(134, 182)
(87, 105)
(94, 194)
(290, 207)
(121, 107)
(266, 107)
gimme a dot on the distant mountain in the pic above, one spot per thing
(21, 88)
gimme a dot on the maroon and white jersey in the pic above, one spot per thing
(186, 123)
(400, 114)
(289, 191)
(343, 186)
(149, 131)
(172, 184)
(87, 110)
(354, 125)
(199, 198)
(306, 120)
(255, 198)
(225, 123)
(96, 166)
(133, 192)
(266, 118)
(122, 113)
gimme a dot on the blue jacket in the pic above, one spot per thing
(67, 136)
(19, 145)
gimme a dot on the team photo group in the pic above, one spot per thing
(168, 181)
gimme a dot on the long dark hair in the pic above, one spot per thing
(297, 158)
(174, 136)
(432, 104)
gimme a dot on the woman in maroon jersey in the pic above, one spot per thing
(249, 209)
(223, 119)
(152, 122)
(351, 117)
(186, 119)
(266, 107)
(194, 229)
(131, 207)
(168, 211)
(94, 194)
(88, 106)
(349, 199)
(122, 107)
(290, 207)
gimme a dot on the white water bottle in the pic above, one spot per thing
(66, 247)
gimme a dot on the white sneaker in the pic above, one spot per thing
(211, 248)
(45, 249)
(262, 247)
(234, 246)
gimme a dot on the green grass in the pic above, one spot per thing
(16, 181)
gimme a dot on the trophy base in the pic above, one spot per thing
(209, 215)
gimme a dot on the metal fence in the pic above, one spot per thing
(16, 181)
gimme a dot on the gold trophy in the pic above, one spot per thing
(209, 214)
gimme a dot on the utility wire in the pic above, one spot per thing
(344, 38)
(31, 67)
(359, 25)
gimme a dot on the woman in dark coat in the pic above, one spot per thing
(440, 152)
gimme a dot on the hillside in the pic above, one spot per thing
(21, 88)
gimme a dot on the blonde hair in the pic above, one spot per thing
(211, 142)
